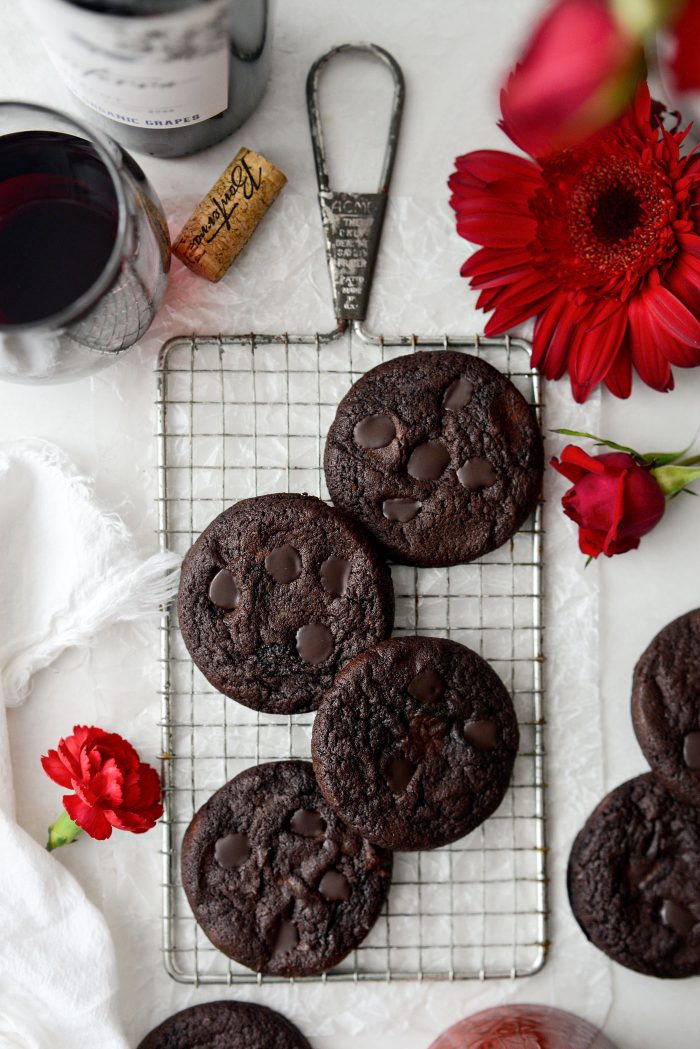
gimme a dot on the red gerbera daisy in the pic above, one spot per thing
(599, 242)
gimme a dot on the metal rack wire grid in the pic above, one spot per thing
(247, 415)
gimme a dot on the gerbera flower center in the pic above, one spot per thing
(617, 213)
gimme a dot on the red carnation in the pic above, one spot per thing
(600, 242)
(112, 786)
(615, 500)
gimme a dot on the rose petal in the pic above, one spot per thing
(590, 541)
(575, 456)
(618, 512)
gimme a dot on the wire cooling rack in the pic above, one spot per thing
(247, 415)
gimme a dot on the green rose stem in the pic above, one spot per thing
(62, 832)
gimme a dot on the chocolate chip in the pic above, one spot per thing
(334, 886)
(287, 937)
(483, 734)
(400, 509)
(335, 573)
(314, 643)
(376, 431)
(477, 473)
(641, 872)
(427, 686)
(458, 394)
(283, 564)
(691, 750)
(677, 917)
(223, 592)
(399, 774)
(428, 461)
(232, 851)
(308, 823)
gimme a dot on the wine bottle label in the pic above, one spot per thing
(157, 71)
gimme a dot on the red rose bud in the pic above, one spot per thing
(111, 786)
(614, 500)
(578, 72)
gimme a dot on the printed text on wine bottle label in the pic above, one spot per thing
(158, 72)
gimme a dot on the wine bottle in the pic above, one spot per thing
(165, 77)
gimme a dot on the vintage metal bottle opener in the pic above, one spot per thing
(352, 222)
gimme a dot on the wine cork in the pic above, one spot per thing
(225, 220)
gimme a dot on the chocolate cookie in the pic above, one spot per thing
(225, 1025)
(274, 878)
(666, 706)
(414, 745)
(438, 455)
(634, 879)
(276, 595)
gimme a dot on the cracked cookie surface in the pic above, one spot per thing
(276, 595)
(414, 744)
(634, 879)
(225, 1025)
(439, 456)
(275, 879)
(666, 706)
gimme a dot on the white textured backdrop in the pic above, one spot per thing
(453, 53)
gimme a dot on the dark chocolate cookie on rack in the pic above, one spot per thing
(275, 879)
(634, 879)
(415, 742)
(666, 706)
(225, 1025)
(276, 595)
(438, 454)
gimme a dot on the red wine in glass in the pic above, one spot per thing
(59, 218)
(84, 247)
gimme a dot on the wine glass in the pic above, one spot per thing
(84, 247)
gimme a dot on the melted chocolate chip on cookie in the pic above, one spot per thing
(223, 591)
(376, 431)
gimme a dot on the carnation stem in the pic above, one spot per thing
(62, 832)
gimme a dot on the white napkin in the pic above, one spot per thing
(67, 569)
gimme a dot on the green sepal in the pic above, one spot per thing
(673, 479)
(63, 832)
